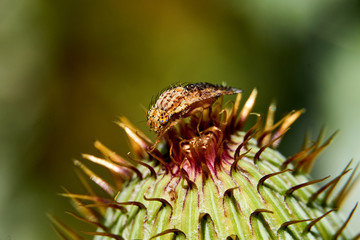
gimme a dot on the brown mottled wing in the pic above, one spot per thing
(198, 92)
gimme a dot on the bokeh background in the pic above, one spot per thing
(68, 69)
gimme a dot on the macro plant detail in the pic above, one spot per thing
(208, 176)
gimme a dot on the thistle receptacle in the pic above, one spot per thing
(208, 178)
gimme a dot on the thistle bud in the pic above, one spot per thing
(206, 177)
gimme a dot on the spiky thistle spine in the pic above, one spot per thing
(209, 179)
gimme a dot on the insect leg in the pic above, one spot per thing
(201, 110)
(161, 134)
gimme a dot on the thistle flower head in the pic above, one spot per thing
(206, 177)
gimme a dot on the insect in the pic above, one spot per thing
(181, 101)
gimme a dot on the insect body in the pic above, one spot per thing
(181, 101)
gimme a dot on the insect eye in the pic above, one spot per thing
(163, 119)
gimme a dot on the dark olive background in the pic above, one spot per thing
(68, 69)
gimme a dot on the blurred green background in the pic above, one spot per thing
(69, 68)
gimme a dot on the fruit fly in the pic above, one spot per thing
(181, 101)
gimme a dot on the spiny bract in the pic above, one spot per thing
(208, 178)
